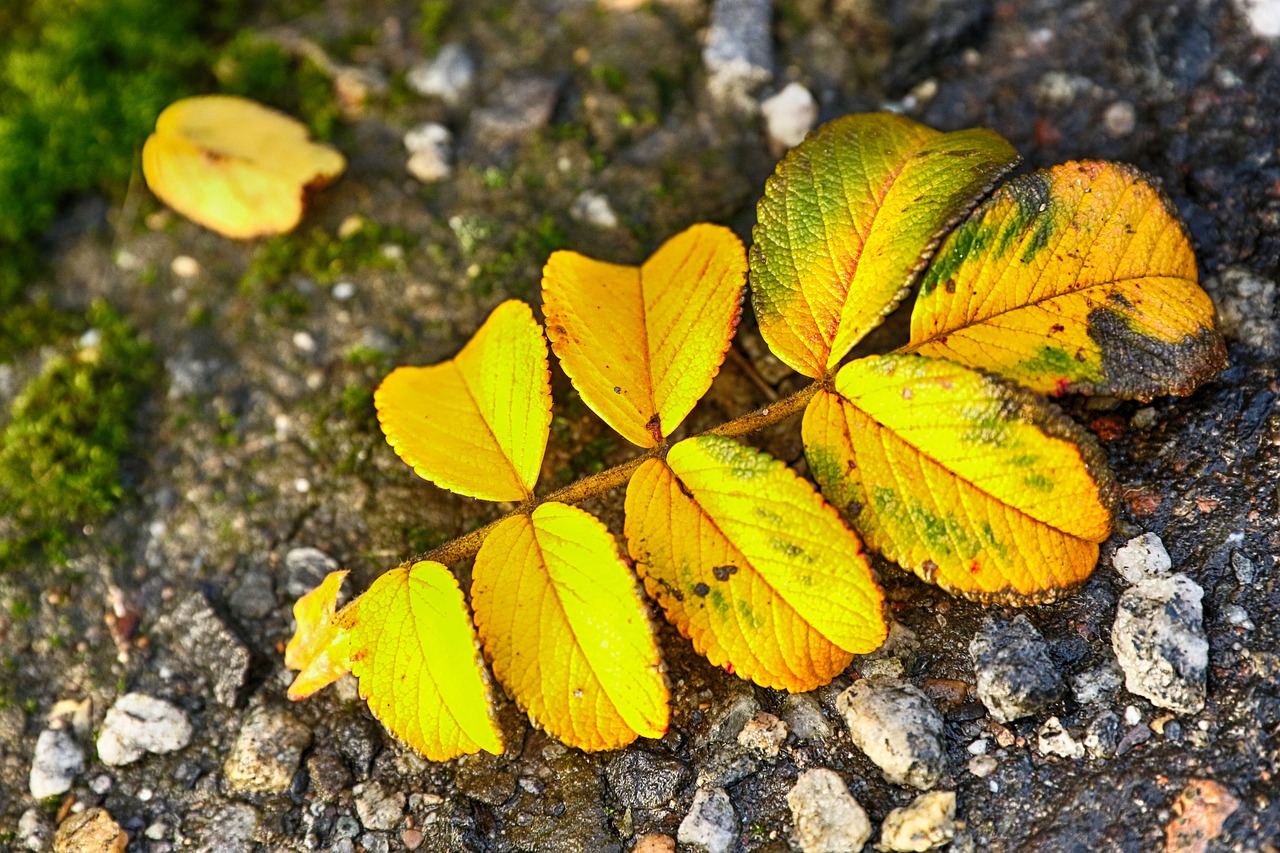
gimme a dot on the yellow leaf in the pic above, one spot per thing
(414, 651)
(477, 424)
(569, 636)
(847, 222)
(318, 648)
(1075, 278)
(235, 166)
(751, 564)
(642, 344)
(973, 484)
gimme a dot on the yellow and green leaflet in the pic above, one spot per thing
(478, 423)
(568, 634)
(849, 219)
(1078, 278)
(319, 648)
(642, 344)
(234, 165)
(973, 484)
(751, 564)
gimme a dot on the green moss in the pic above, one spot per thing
(259, 68)
(432, 19)
(68, 431)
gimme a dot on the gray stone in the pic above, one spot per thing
(1160, 643)
(137, 724)
(825, 816)
(1102, 735)
(642, 780)
(896, 725)
(1242, 567)
(35, 831)
(1014, 674)
(739, 49)
(593, 208)
(727, 717)
(328, 775)
(229, 828)
(430, 148)
(788, 116)
(375, 842)
(519, 107)
(803, 715)
(711, 824)
(1263, 16)
(305, 569)
(57, 760)
(267, 751)
(1097, 686)
(379, 807)
(763, 734)
(929, 821)
(727, 766)
(1247, 308)
(205, 645)
(449, 77)
(1142, 558)
(253, 598)
(1053, 739)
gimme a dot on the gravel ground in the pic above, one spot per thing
(145, 680)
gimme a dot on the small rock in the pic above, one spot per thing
(267, 751)
(343, 290)
(519, 107)
(328, 775)
(379, 807)
(1097, 686)
(184, 266)
(228, 828)
(1135, 736)
(739, 50)
(1014, 673)
(654, 843)
(90, 831)
(1159, 641)
(204, 643)
(727, 717)
(894, 723)
(1237, 617)
(412, 839)
(1142, 558)
(34, 830)
(1202, 808)
(727, 766)
(642, 780)
(593, 208)
(1242, 567)
(137, 724)
(803, 715)
(928, 822)
(253, 598)
(983, 766)
(711, 824)
(763, 734)
(825, 815)
(430, 148)
(1247, 305)
(55, 764)
(1119, 119)
(788, 116)
(1263, 16)
(305, 569)
(448, 77)
(1053, 739)
(1102, 735)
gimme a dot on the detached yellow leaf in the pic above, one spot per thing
(642, 344)
(982, 488)
(1075, 278)
(318, 647)
(414, 651)
(235, 166)
(568, 634)
(477, 424)
(751, 564)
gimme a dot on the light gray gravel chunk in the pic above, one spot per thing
(1141, 558)
(305, 569)
(1097, 686)
(788, 116)
(1014, 673)
(57, 760)
(1053, 739)
(1247, 301)
(379, 807)
(137, 724)
(267, 751)
(826, 817)
(206, 647)
(803, 715)
(430, 147)
(449, 76)
(739, 49)
(928, 822)
(519, 106)
(898, 728)
(1160, 643)
(711, 825)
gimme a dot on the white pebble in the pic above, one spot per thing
(185, 266)
(343, 290)
(304, 341)
(789, 115)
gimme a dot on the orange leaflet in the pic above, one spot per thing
(642, 344)
(751, 564)
(477, 424)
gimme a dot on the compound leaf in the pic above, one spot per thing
(751, 564)
(642, 344)
(477, 424)
(1078, 278)
(234, 165)
(973, 484)
(849, 219)
(568, 634)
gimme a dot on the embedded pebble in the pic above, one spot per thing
(267, 751)
(1102, 735)
(1263, 16)
(343, 290)
(1053, 739)
(642, 780)
(206, 646)
(1097, 686)
(1242, 567)
(825, 815)
(137, 724)
(254, 597)
(379, 807)
(184, 266)
(1142, 558)
(654, 843)
(1237, 617)
(1015, 677)
(711, 824)
(593, 208)
(90, 831)
(449, 77)
(430, 147)
(763, 734)
(803, 715)
(519, 106)
(898, 728)
(1119, 119)
(788, 116)
(983, 765)
(928, 822)
(305, 569)
(34, 829)
(739, 49)
(1159, 640)
(55, 764)
(1246, 305)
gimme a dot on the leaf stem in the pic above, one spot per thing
(468, 545)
